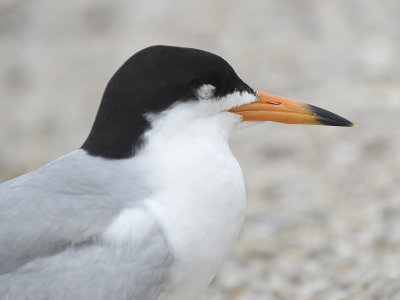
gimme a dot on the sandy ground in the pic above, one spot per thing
(323, 218)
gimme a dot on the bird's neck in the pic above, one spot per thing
(200, 198)
(187, 155)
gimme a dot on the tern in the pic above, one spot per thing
(152, 203)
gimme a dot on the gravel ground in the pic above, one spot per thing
(323, 218)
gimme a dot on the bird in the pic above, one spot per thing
(149, 207)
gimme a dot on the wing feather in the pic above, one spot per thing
(51, 226)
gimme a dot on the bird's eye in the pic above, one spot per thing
(205, 91)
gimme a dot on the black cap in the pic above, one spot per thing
(149, 82)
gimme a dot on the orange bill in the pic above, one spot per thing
(274, 108)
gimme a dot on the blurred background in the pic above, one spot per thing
(323, 217)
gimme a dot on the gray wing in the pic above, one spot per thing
(50, 223)
(36, 224)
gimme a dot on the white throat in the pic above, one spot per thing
(200, 199)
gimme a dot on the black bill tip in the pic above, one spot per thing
(328, 118)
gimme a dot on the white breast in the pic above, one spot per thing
(201, 201)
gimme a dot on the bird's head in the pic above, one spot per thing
(186, 85)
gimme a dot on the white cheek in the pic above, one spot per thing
(207, 113)
(235, 99)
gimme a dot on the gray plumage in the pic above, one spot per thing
(49, 235)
